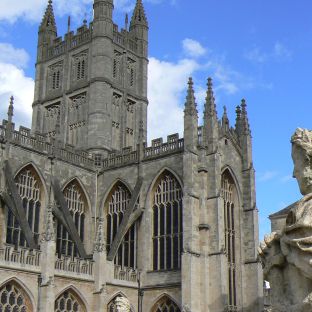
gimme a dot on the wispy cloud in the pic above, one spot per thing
(278, 53)
(193, 48)
(267, 175)
(286, 178)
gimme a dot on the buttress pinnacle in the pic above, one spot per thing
(210, 105)
(190, 104)
(139, 16)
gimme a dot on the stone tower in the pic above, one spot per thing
(95, 80)
(93, 216)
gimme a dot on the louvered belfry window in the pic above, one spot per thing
(228, 188)
(116, 206)
(167, 223)
(77, 204)
(30, 190)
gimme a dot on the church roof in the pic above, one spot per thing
(283, 212)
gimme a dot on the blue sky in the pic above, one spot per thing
(260, 50)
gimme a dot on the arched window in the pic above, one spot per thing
(69, 302)
(30, 190)
(228, 194)
(14, 299)
(116, 206)
(167, 223)
(112, 306)
(77, 205)
(165, 304)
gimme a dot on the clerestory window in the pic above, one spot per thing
(77, 205)
(30, 190)
(167, 223)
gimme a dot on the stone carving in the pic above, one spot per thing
(122, 304)
(287, 255)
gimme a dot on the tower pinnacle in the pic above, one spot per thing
(190, 104)
(245, 122)
(11, 109)
(48, 20)
(138, 16)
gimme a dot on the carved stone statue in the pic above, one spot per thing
(122, 304)
(287, 255)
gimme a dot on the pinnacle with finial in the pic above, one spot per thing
(48, 21)
(11, 109)
(138, 16)
(244, 117)
(210, 105)
(190, 104)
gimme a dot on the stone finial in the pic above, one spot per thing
(244, 117)
(48, 20)
(190, 104)
(49, 234)
(139, 16)
(225, 120)
(210, 105)
(11, 109)
(126, 21)
(100, 238)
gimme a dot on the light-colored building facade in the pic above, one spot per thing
(90, 213)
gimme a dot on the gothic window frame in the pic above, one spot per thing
(167, 228)
(166, 303)
(126, 256)
(131, 72)
(116, 71)
(51, 113)
(80, 66)
(31, 189)
(55, 77)
(229, 194)
(69, 295)
(65, 245)
(22, 302)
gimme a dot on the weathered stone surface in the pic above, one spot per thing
(287, 254)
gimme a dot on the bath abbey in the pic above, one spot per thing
(95, 218)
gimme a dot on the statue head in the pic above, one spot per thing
(302, 157)
(122, 304)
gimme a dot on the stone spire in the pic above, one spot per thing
(100, 238)
(238, 124)
(190, 105)
(48, 20)
(138, 17)
(10, 110)
(190, 119)
(211, 124)
(225, 120)
(245, 122)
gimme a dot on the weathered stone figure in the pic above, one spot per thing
(287, 254)
(122, 304)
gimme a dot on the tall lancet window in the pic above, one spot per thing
(116, 206)
(167, 223)
(228, 194)
(30, 190)
(77, 205)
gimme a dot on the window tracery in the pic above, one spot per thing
(55, 76)
(166, 305)
(116, 206)
(116, 65)
(68, 302)
(77, 205)
(167, 223)
(30, 190)
(227, 191)
(50, 118)
(131, 66)
(14, 299)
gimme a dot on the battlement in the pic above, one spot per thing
(70, 41)
(122, 38)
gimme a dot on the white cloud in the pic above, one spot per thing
(11, 55)
(14, 82)
(267, 175)
(281, 52)
(256, 55)
(193, 48)
(167, 85)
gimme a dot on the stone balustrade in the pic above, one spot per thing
(125, 274)
(20, 257)
(74, 266)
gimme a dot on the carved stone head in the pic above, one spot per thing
(302, 157)
(122, 304)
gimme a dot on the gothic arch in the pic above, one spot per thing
(79, 206)
(165, 202)
(22, 295)
(230, 171)
(33, 193)
(114, 208)
(164, 301)
(72, 294)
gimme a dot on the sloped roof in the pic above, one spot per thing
(284, 211)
